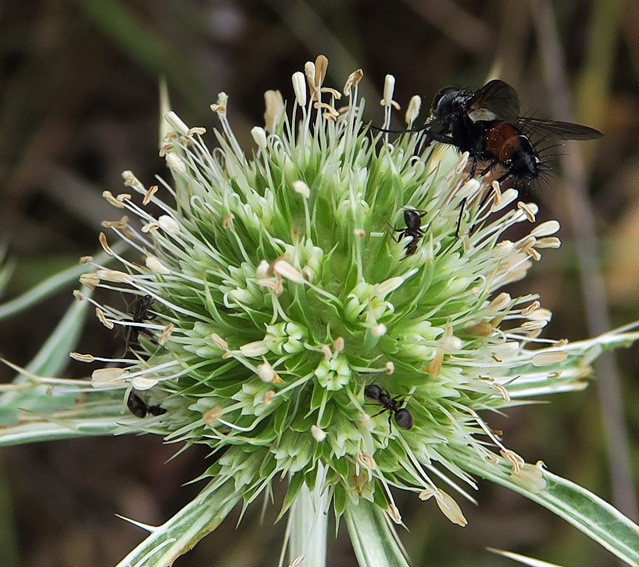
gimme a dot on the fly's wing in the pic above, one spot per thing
(496, 100)
(562, 130)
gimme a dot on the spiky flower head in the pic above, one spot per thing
(285, 311)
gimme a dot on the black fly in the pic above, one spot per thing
(485, 122)
(403, 417)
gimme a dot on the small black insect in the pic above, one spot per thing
(140, 313)
(403, 418)
(139, 408)
(413, 220)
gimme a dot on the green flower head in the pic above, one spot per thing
(328, 307)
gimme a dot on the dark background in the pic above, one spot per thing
(79, 104)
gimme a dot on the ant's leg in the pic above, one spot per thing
(459, 218)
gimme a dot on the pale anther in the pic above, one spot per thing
(155, 265)
(286, 270)
(169, 224)
(549, 358)
(318, 434)
(299, 88)
(149, 194)
(112, 200)
(301, 188)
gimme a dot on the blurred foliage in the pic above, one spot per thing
(79, 103)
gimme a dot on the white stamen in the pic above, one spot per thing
(156, 266)
(353, 80)
(507, 197)
(516, 460)
(389, 89)
(529, 209)
(265, 372)
(105, 245)
(259, 135)
(149, 194)
(548, 242)
(131, 180)
(451, 343)
(387, 286)
(301, 188)
(539, 313)
(500, 302)
(503, 249)
(219, 341)
(534, 325)
(366, 461)
(177, 123)
(378, 330)
(274, 110)
(82, 357)
(143, 383)
(450, 508)
(112, 200)
(169, 224)
(321, 64)
(549, 358)
(108, 377)
(284, 269)
(309, 72)
(166, 334)
(261, 272)
(174, 163)
(318, 434)
(113, 276)
(119, 225)
(393, 513)
(146, 228)
(545, 228)
(90, 280)
(256, 348)
(412, 112)
(299, 87)
(102, 318)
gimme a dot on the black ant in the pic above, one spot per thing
(413, 221)
(403, 418)
(140, 312)
(139, 408)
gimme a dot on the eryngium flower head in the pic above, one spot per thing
(328, 307)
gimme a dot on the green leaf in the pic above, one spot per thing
(52, 284)
(180, 534)
(43, 430)
(596, 518)
(53, 356)
(374, 541)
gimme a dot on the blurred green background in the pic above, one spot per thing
(79, 104)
